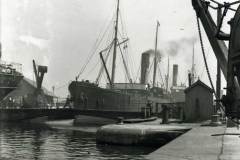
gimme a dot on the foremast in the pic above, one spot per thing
(115, 46)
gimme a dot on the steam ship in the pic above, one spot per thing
(118, 97)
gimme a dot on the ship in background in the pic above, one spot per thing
(17, 91)
(119, 97)
(177, 91)
(10, 76)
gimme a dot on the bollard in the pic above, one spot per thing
(156, 108)
(181, 113)
(230, 123)
(165, 114)
(120, 120)
(215, 120)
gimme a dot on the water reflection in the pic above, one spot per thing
(37, 142)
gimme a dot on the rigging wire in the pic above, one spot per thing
(125, 65)
(137, 75)
(106, 58)
(62, 86)
(96, 45)
(159, 69)
(102, 66)
(150, 68)
(129, 59)
(94, 67)
(123, 26)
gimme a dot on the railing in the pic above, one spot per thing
(10, 68)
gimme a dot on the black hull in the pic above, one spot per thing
(88, 96)
(9, 82)
(91, 97)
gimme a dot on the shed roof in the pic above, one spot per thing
(198, 83)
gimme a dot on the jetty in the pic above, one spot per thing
(203, 142)
(138, 134)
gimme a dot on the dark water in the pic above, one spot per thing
(29, 142)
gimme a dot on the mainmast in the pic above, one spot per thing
(155, 55)
(167, 76)
(193, 76)
(0, 50)
(115, 46)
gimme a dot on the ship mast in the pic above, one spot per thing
(115, 46)
(167, 76)
(193, 76)
(155, 55)
(0, 51)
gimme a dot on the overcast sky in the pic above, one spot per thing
(61, 34)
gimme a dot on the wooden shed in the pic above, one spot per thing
(199, 102)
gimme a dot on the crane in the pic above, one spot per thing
(228, 57)
(39, 72)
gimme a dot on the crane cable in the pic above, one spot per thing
(205, 61)
(206, 65)
(204, 56)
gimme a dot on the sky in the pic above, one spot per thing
(61, 34)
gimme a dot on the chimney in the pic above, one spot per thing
(175, 75)
(144, 67)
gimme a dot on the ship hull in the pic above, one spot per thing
(91, 97)
(87, 96)
(8, 84)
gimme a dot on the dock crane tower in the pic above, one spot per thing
(228, 57)
(39, 98)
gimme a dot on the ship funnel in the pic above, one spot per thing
(175, 75)
(189, 79)
(144, 67)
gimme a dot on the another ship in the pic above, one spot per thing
(10, 76)
(119, 97)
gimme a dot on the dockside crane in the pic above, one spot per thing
(39, 98)
(228, 57)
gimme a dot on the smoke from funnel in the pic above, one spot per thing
(151, 52)
(173, 47)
